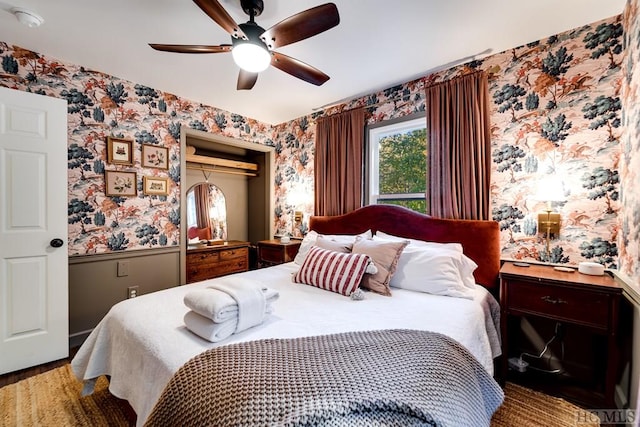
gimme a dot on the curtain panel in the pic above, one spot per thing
(203, 204)
(338, 163)
(459, 140)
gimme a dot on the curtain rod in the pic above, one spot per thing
(394, 99)
(423, 79)
(453, 78)
(399, 98)
(214, 169)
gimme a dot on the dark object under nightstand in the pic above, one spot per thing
(583, 312)
(273, 252)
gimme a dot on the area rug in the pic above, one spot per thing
(53, 399)
(523, 407)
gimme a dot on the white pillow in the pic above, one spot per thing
(443, 246)
(467, 265)
(426, 270)
(311, 237)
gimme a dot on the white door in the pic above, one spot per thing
(34, 313)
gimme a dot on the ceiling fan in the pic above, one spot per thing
(252, 46)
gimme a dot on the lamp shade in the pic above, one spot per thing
(550, 189)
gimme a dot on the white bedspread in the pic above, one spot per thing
(141, 342)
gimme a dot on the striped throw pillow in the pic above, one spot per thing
(332, 271)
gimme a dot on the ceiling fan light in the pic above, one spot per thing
(251, 57)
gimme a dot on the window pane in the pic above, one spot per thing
(403, 162)
(397, 164)
(416, 205)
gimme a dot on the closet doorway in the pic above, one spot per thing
(244, 171)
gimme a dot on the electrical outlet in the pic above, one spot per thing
(517, 364)
(132, 291)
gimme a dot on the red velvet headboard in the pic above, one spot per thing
(480, 239)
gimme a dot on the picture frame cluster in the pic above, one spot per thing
(125, 183)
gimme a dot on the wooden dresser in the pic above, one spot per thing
(214, 261)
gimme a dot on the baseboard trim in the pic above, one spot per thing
(76, 340)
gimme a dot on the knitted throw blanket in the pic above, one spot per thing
(373, 378)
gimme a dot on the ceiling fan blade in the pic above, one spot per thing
(302, 25)
(246, 80)
(191, 48)
(216, 12)
(298, 69)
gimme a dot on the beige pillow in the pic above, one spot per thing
(311, 237)
(385, 256)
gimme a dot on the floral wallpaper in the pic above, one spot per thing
(629, 215)
(556, 112)
(102, 106)
(556, 115)
(556, 118)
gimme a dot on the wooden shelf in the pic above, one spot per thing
(216, 161)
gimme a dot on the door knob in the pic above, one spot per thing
(56, 243)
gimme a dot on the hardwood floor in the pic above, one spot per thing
(14, 377)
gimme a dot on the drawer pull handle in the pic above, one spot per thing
(552, 300)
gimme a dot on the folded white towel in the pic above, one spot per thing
(207, 329)
(251, 303)
(227, 307)
(212, 331)
(218, 305)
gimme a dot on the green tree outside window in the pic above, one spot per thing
(402, 165)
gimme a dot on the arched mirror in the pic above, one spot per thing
(206, 213)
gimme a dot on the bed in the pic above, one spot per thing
(142, 343)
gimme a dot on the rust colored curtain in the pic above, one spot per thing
(203, 202)
(338, 163)
(459, 148)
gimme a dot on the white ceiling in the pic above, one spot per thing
(378, 43)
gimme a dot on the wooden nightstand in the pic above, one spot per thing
(218, 260)
(583, 311)
(273, 252)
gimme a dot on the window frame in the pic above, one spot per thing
(376, 132)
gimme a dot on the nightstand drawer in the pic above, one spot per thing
(580, 306)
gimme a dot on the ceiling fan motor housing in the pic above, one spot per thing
(253, 32)
(255, 6)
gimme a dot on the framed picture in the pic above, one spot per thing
(119, 151)
(120, 183)
(154, 156)
(154, 186)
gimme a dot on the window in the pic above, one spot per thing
(192, 221)
(397, 164)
